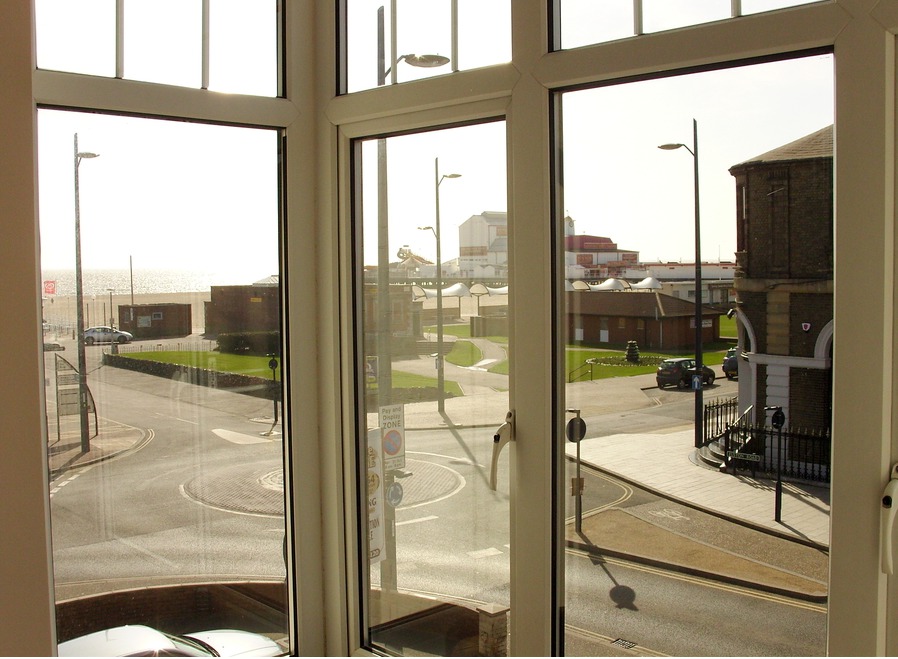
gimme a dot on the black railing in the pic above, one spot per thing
(799, 454)
(719, 415)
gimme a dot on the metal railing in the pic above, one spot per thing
(719, 415)
(799, 454)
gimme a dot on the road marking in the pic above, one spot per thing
(483, 553)
(241, 438)
(417, 520)
(177, 418)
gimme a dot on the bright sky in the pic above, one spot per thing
(178, 195)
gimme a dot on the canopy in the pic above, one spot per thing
(456, 290)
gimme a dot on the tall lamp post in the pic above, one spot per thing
(79, 299)
(441, 378)
(699, 366)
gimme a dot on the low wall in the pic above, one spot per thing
(245, 384)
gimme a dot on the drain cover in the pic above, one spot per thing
(621, 643)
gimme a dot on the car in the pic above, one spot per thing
(49, 347)
(143, 641)
(679, 372)
(731, 364)
(105, 334)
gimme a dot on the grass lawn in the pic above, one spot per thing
(464, 353)
(215, 361)
(728, 327)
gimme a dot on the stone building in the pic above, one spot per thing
(784, 280)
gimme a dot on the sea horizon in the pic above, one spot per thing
(145, 281)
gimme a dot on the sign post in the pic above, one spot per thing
(576, 431)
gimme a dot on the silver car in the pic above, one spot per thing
(105, 334)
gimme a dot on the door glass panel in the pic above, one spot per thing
(433, 375)
(76, 36)
(166, 484)
(696, 507)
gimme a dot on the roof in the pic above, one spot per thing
(638, 305)
(584, 243)
(816, 145)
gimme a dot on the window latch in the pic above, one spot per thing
(503, 435)
(887, 521)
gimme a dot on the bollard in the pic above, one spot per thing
(493, 630)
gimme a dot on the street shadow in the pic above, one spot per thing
(623, 597)
(481, 470)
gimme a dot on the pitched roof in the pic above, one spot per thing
(631, 304)
(818, 144)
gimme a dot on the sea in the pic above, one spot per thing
(102, 282)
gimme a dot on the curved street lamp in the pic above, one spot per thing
(697, 382)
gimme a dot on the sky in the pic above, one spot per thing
(179, 195)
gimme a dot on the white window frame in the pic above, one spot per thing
(319, 127)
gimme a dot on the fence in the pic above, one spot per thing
(802, 454)
(719, 415)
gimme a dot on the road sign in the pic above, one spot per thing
(576, 429)
(392, 428)
(375, 487)
(751, 457)
(394, 494)
(696, 382)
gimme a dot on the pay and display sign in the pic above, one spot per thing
(392, 432)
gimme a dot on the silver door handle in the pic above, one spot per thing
(887, 521)
(503, 435)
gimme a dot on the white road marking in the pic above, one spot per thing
(417, 520)
(483, 553)
(242, 438)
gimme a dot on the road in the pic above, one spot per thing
(202, 499)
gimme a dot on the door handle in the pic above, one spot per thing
(503, 435)
(887, 521)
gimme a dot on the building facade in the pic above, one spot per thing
(784, 280)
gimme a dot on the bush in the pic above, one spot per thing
(250, 343)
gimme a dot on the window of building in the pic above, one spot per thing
(611, 140)
(402, 40)
(167, 483)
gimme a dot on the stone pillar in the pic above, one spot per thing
(493, 630)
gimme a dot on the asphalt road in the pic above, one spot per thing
(201, 500)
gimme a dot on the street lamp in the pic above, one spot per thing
(384, 329)
(111, 314)
(441, 399)
(79, 317)
(697, 380)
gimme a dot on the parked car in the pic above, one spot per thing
(48, 347)
(731, 364)
(104, 334)
(680, 372)
(138, 640)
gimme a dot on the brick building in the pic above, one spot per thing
(156, 321)
(652, 319)
(784, 279)
(250, 308)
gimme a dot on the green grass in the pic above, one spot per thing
(403, 380)
(728, 327)
(464, 353)
(215, 361)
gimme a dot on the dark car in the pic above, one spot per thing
(731, 364)
(680, 372)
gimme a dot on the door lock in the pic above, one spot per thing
(889, 507)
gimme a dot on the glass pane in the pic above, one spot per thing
(758, 6)
(584, 22)
(435, 328)
(163, 41)
(243, 46)
(76, 36)
(167, 496)
(424, 30)
(659, 15)
(677, 541)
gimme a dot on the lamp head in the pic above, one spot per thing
(670, 147)
(425, 61)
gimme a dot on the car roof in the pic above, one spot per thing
(116, 642)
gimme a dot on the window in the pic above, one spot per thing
(611, 138)
(167, 485)
(404, 40)
(434, 379)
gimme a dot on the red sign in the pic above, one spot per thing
(50, 287)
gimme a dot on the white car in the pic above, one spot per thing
(106, 335)
(141, 641)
